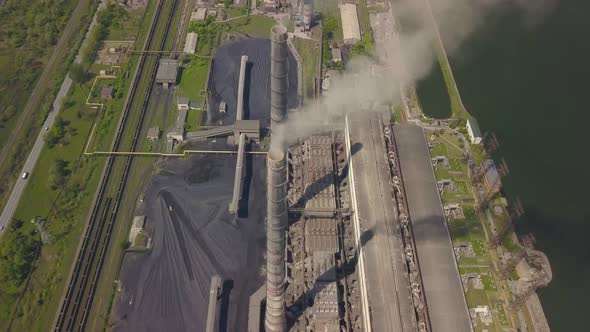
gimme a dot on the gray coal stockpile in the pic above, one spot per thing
(195, 237)
(225, 75)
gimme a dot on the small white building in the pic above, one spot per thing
(183, 103)
(351, 30)
(473, 131)
(336, 54)
(190, 46)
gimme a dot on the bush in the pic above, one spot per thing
(17, 254)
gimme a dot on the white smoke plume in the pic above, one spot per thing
(404, 53)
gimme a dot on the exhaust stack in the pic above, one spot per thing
(276, 195)
(279, 81)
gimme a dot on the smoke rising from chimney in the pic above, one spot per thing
(404, 55)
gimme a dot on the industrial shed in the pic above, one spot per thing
(167, 72)
(190, 46)
(351, 30)
(199, 14)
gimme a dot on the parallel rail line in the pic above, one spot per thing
(96, 237)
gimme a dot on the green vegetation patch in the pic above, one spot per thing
(309, 52)
(456, 104)
(194, 119)
(251, 26)
(60, 189)
(193, 82)
(207, 30)
(365, 47)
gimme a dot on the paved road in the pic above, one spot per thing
(19, 187)
(388, 286)
(442, 285)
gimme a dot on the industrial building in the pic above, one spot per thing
(106, 92)
(323, 293)
(167, 74)
(190, 46)
(199, 14)
(177, 133)
(473, 131)
(153, 134)
(251, 128)
(443, 289)
(351, 30)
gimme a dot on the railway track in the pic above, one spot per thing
(77, 302)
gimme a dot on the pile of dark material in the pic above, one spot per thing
(195, 237)
(223, 83)
(186, 209)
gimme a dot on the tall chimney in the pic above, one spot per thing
(276, 226)
(279, 82)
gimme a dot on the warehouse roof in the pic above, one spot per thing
(191, 42)
(199, 14)
(350, 23)
(247, 125)
(167, 71)
(474, 126)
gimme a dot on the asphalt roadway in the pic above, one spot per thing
(19, 187)
(388, 285)
(445, 298)
(195, 237)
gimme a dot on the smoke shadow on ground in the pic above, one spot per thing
(307, 298)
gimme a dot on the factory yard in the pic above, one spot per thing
(444, 293)
(350, 223)
(386, 276)
(194, 237)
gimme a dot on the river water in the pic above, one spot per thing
(529, 85)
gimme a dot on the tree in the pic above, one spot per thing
(58, 174)
(77, 73)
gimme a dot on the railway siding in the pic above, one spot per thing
(78, 300)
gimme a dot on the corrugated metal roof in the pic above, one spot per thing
(350, 23)
(167, 71)
(199, 14)
(321, 235)
(190, 45)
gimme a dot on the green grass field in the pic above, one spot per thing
(470, 229)
(193, 120)
(16, 83)
(252, 26)
(309, 50)
(65, 207)
(193, 82)
(452, 89)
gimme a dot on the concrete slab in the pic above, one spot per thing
(442, 284)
